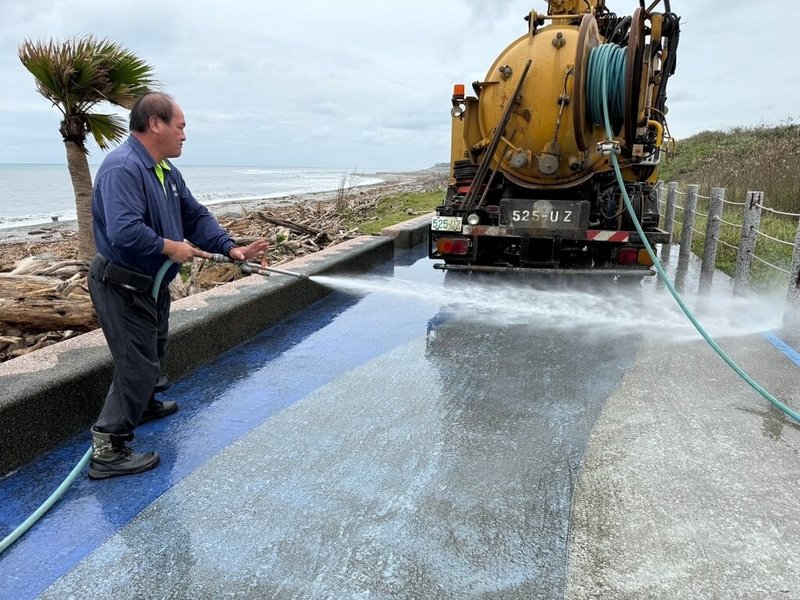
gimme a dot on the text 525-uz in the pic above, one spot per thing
(540, 216)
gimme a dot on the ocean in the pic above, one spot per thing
(34, 194)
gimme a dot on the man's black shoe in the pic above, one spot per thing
(112, 457)
(156, 409)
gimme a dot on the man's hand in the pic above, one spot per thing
(250, 251)
(181, 252)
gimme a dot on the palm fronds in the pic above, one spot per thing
(79, 73)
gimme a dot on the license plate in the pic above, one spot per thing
(446, 224)
(545, 214)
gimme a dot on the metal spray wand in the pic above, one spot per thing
(248, 267)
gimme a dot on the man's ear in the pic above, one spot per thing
(154, 124)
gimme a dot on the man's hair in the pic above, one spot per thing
(152, 104)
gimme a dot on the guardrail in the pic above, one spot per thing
(720, 212)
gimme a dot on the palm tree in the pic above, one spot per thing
(76, 75)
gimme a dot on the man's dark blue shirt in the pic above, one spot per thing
(133, 213)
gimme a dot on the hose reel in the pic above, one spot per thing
(630, 72)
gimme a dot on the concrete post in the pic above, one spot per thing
(747, 242)
(791, 314)
(688, 221)
(687, 232)
(669, 219)
(712, 234)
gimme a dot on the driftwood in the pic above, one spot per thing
(14, 346)
(20, 286)
(46, 314)
(32, 265)
(298, 227)
(44, 295)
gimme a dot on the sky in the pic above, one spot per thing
(362, 85)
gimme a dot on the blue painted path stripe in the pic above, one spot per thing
(783, 347)
(220, 403)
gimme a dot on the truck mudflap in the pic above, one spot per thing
(614, 271)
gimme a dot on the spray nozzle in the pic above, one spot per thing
(253, 268)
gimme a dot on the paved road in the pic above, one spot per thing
(427, 436)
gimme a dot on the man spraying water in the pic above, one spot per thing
(143, 211)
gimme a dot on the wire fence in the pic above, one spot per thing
(732, 236)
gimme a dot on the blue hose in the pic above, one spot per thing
(54, 497)
(605, 66)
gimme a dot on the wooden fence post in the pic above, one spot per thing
(747, 242)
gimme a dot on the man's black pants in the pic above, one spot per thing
(135, 327)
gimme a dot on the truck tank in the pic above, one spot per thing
(531, 180)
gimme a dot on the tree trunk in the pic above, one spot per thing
(78, 165)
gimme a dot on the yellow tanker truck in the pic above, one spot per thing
(531, 183)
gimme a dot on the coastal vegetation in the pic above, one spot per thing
(77, 75)
(394, 209)
(765, 159)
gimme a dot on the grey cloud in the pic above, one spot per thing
(321, 83)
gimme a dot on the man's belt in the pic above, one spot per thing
(124, 278)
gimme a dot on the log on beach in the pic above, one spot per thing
(42, 303)
(37, 286)
(20, 286)
(47, 314)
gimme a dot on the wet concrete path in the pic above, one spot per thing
(400, 445)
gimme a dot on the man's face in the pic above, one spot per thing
(171, 135)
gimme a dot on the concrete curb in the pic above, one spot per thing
(409, 233)
(53, 393)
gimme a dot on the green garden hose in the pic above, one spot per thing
(159, 277)
(12, 537)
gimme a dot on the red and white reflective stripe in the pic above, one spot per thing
(598, 235)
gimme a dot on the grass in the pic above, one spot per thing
(392, 210)
(766, 159)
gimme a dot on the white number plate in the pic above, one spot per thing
(545, 214)
(446, 224)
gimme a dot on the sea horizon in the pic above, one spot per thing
(181, 164)
(38, 193)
